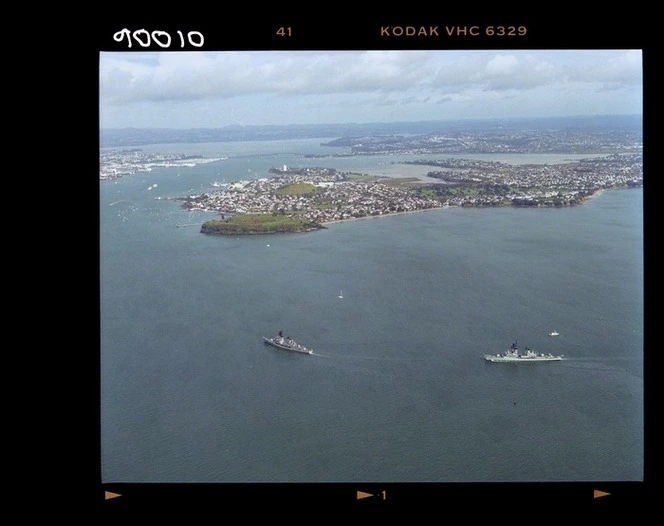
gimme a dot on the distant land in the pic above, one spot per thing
(127, 137)
(303, 199)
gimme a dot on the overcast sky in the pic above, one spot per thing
(215, 89)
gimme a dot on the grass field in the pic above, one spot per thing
(296, 189)
(257, 224)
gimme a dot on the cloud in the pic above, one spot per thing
(618, 70)
(199, 76)
(181, 76)
(497, 72)
(253, 87)
(502, 65)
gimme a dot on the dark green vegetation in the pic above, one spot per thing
(258, 224)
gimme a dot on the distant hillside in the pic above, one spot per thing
(114, 137)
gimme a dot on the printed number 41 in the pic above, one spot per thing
(284, 31)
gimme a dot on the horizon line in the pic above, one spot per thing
(381, 123)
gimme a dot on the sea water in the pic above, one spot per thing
(397, 389)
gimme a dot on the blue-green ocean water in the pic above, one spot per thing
(397, 389)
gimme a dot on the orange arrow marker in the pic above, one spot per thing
(363, 495)
(597, 494)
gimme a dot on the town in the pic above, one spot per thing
(323, 195)
(501, 139)
(492, 183)
(118, 163)
(318, 195)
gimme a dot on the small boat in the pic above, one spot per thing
(513, 355)
(286, 343)
(341, 295)
(554, 333)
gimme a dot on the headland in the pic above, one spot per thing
(306, 199)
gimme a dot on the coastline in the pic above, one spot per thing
(255, 233)
(348, 220)
(591, 196)
(597, 193)
(325, 224)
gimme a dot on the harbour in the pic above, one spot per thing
(396, 389)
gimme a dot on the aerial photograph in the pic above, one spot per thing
(383, 266)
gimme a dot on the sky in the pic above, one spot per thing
(203, 89)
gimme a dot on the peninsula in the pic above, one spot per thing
(258, 224)
(118, 163)
(305, 199)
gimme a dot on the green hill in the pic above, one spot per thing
(244, 224)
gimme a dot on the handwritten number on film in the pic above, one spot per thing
(161, 38)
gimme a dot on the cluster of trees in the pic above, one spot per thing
(258, 224)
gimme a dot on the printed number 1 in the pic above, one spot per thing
(284, 32)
